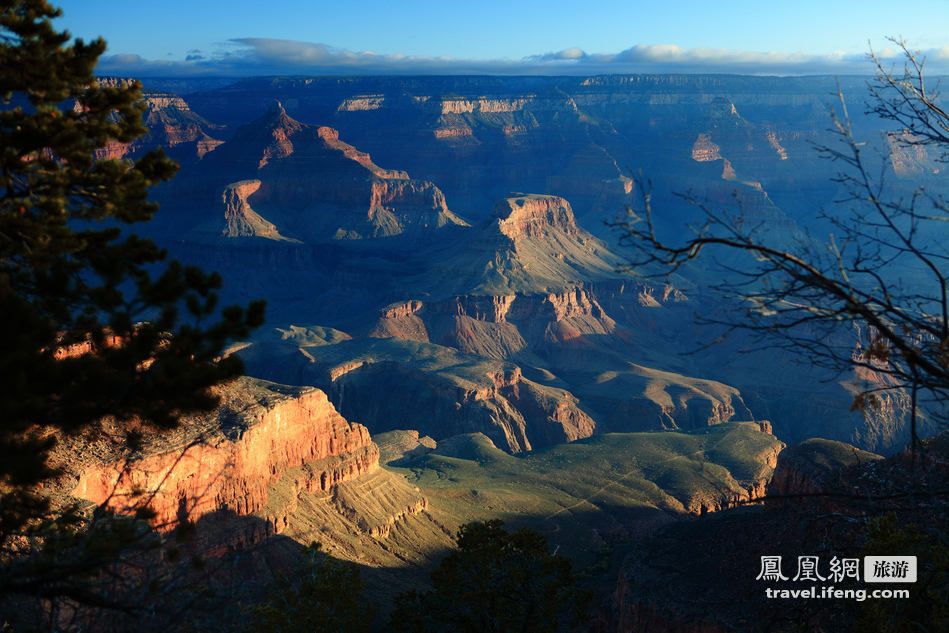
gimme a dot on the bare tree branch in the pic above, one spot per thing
(841, 302)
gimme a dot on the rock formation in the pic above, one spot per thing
(511, 340)
(385, 382)
(815, 466)
(227, 462)
(536, 217)
(404, 382)
(528, 296)
(310, 187)
(334, 240)
(272, 460)
(173, 126)
(239, 219)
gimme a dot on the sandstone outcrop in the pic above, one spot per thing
(273, 460)
(528, 297)
(395, 384)
(310, 187)
(239, 218)
(173, 126)
(513, 412)
(531, 244)
(227, 461)
(704, 150)
(530, 292)
(536, 217)
(401, 382)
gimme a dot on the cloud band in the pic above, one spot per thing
(265, 56)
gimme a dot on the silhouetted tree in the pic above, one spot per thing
(495, 581)
(93, 322)
(804, 298)
(323, 596)
(927, 608)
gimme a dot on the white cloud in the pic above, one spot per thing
(670, 58)
(568, 53)
(266, 56)
(938, 55)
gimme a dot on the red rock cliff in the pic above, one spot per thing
(522, 216)
(173, 126)
(226, 461)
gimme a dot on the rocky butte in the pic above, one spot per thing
(310, 187)
(279, 460)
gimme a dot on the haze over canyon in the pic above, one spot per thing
(453, 332)
(377, 217)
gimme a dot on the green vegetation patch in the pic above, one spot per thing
(583, 493)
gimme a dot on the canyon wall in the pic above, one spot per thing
(227, 461)
(478, 137)
(333, 239)
(184, 135)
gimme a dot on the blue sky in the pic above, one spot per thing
(243, 37)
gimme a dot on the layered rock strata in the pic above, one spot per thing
(515, 413)
(173, 126)
(226, 462)
(308, 186)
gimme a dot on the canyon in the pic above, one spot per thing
(279, 461)
(458, 335)
(486, 233)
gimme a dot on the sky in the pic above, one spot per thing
(553, 37)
